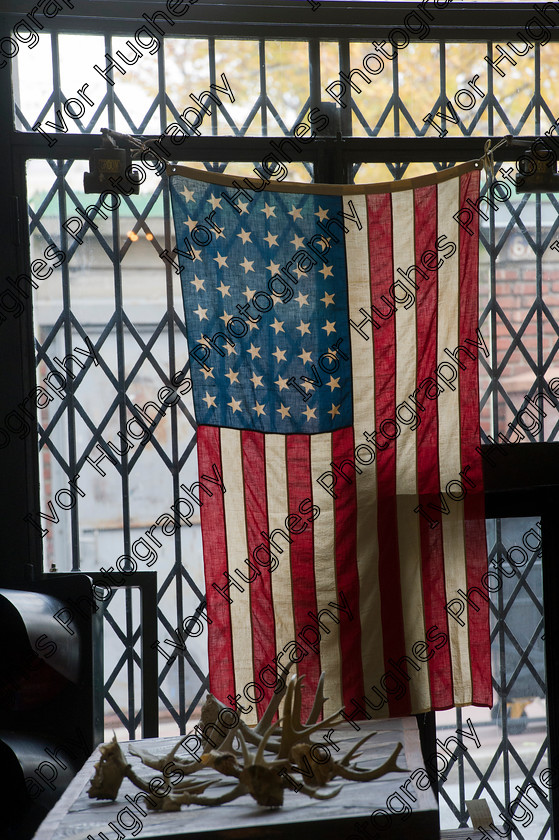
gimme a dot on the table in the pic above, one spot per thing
(76, 817)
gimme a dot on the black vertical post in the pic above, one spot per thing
(427, 727)
(550, 574)
(21, 542)
(330, 163)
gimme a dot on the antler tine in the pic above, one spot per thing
(393, 762)
(227, 743)
(262, 745)
(192, 786)
(313, 793)
(290, 732)
(246, 754)
(266, 719)
(146, 758)
(389, 766)
(319, 700)
(287, 728)
(308, 730)
(193, 799)
(159, 762)
(345, 760)
(297, 703)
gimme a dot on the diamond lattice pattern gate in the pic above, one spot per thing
(108, 301)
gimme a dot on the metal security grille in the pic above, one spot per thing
(113, 291)
(513, 749)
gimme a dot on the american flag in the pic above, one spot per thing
(333, 344)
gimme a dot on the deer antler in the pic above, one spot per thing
(110, 770)
(174, 802)
(345, 760)
(253, 735)
(314, 794)
(319, 701)
(260, 775)
(167, 803)
(352, 774)
(301, 755)
(293, 731)
(266, 720)
(158, 763)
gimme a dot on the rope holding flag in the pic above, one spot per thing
(333, 340)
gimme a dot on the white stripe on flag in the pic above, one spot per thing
(363, 371)
(278, 510)
(325, 575)
(409, 537)
(237, 553)
(448, 334)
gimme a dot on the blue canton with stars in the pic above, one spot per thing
(265, 297)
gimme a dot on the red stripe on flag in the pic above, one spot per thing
(381, 273)
(298, 454)
(212, 516)
(347, 572)
(474, 502)
(432, 554)
(261, 602)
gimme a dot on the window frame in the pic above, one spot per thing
(524, 482)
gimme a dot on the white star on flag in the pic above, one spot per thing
(221, 261)
(247, 265)
(188, 194)
(198, 283)
(298, 241)
(245, 236)
(232, 376)
(209, 400)
(235, 404)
